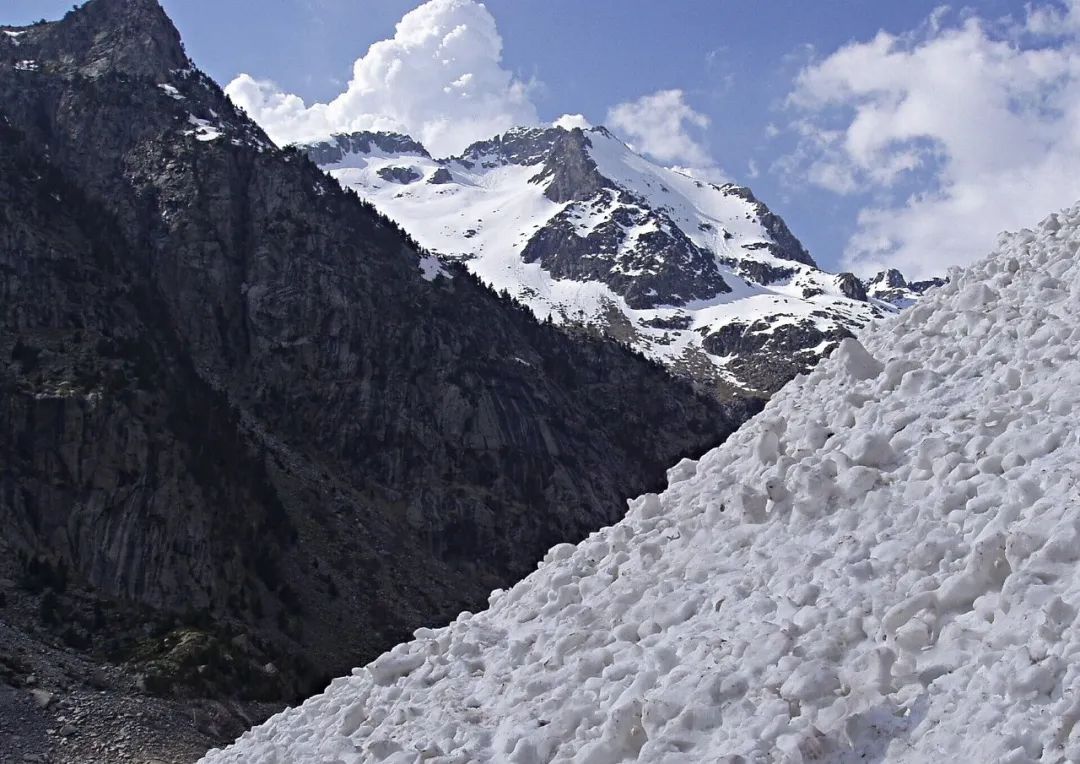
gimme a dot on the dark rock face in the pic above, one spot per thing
(768, 355)
(659, 267)
(891, 278)
(572, 172)
(851, 287)
(132, 37)
(759, 271)
(440, 176)
(402, 175)
(568, 170)
(891, 286)
(921, 286)
(520, 146)
(672, 322)
(228, 392)
(364, 142)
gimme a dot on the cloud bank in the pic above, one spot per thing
(439, 79)
(956, 132)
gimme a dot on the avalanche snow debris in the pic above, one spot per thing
(881, 566)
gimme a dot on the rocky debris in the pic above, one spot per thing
(567, 171)
(109, 720)
(670, 322)
(767, 355)
(758, 271)
(920, 287)
(519, 146)
(889, 279)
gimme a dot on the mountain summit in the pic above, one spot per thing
(702, 277)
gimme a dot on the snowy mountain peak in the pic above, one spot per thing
(891, 279)
(127, 37)
(882, 566)
(702, 277)
(890, 286)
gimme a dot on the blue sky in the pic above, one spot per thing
(877, 150)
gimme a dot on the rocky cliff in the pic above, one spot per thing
(241, 414)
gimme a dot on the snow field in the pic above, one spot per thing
(881, 566)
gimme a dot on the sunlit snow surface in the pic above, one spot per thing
(882, 566)
(487, 214)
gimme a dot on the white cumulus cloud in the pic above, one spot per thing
(570, 121)
(662, 125)
(440, 79)
(953, 133)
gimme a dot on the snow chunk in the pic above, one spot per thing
(390, 667)
(682, 471)
(858, 363)
(871, 449)
(976, 296)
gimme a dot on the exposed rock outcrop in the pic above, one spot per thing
(851, 287)
(402, 175)
(339, 146)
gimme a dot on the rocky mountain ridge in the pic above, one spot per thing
(702, 277)
(242, 414)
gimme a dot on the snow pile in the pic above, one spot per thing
(881, 566)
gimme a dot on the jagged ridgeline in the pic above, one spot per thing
(701, 277)
(236, 399)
